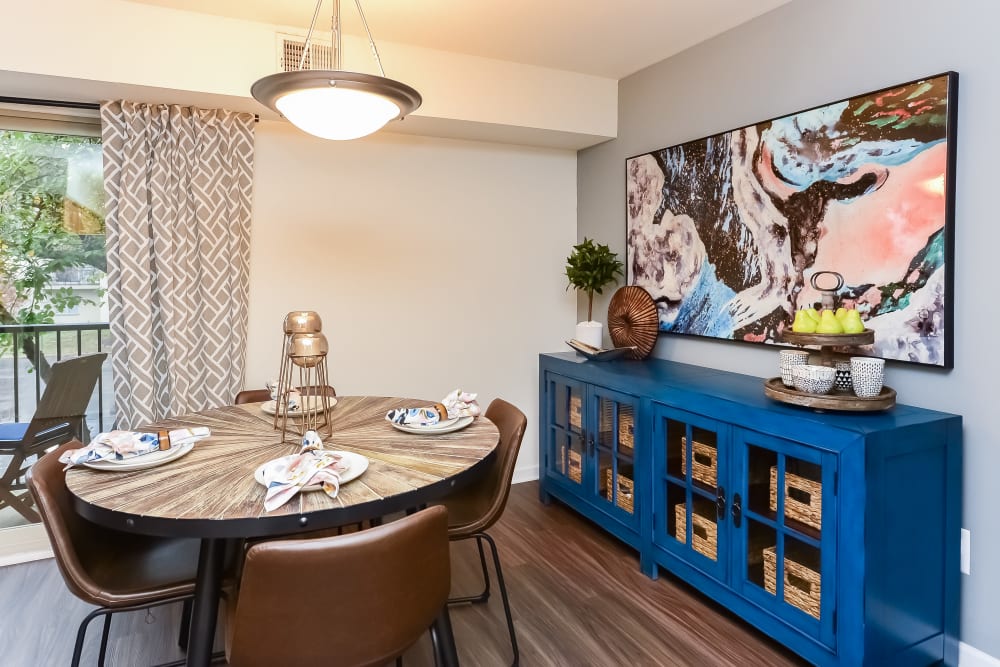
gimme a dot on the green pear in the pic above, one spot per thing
(852, 323)
(828, 323)
(803, 323)
(841, 313)
(813, 313)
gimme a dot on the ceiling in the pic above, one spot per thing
(608, 38)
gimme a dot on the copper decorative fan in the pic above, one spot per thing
(633, 320)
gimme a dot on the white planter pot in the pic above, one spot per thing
(591, 333)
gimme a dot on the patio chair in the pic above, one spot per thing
(58, 418)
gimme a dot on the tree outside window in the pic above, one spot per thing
(52, 257)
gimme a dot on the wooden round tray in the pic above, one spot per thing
(866, 337)
(776, 389)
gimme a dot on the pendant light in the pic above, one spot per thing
(334, 104)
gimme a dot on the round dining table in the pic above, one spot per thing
(211, 493)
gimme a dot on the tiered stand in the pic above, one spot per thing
(836, 400)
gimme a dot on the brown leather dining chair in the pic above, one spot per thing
(58, 418)
(261, 395)
(354, 600)
(473, 510)
(114, 570)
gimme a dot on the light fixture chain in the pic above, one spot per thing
(309, 35)
(371, 40)
(336, 35)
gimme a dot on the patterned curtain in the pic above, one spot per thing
(177, 183)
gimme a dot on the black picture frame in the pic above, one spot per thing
(724, 231)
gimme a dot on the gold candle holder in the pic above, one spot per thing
(304, 348)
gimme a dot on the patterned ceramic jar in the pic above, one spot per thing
(813, 379)
(788, 359)
(867, 376)
(843, 382)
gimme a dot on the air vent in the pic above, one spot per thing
(290, 49)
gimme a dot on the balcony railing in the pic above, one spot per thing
(21, 383)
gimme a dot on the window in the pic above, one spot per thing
(51, 221)
(52, 260)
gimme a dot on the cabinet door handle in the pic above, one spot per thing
(720, 503)
(737, 510)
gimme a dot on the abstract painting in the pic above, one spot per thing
(725, 232)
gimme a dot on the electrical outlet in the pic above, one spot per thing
(966, 557)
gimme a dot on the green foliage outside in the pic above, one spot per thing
(590, 267)
(51, 199)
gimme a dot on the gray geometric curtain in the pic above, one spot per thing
(177, 184)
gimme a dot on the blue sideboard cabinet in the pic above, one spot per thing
(835, 533)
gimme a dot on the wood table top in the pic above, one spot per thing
(211, 492)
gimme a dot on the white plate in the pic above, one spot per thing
(447, 426)
(356, 466)
(150, 460)
(311, 402)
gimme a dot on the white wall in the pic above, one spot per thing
(809, 53)
(434, 263)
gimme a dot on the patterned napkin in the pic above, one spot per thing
(456, 404)
(461, 404)
(286, 476)
(426, 416)
(294, 395)
(122, 445)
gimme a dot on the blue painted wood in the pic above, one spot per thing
(891, 514)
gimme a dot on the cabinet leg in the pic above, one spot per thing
(544, 496)
(649, 567)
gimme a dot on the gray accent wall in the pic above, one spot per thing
(808, 53)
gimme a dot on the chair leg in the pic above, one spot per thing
(23, 504)
(443, 639)
(81, 633)
(185, 631)
(104, 641)
(485, 595)
(503, 596)
(399, 661)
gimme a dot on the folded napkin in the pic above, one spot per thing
(461, 404)
(286, 476)
(121, 445)
(426, 416)
(294, 395)
(456, 404)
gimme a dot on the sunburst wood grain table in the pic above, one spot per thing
(211, 493)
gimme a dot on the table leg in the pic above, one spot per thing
(207, 590)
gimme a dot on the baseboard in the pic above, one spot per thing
(970, 656)
(525, 474)
(20, 545)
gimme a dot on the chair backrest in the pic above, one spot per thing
(495, 488)
(67, 392)
(252, 396)
(261, 395)
(74, 540)
(357, 599)
(481, 504)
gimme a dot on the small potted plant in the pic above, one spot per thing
(590, 267)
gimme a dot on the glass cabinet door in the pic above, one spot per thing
(565, 421)
(613, 438)
(689, 500)
(787, 511)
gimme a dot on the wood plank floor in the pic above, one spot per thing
(577, 595)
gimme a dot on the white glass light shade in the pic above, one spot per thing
(334, 104)
(336, 113)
